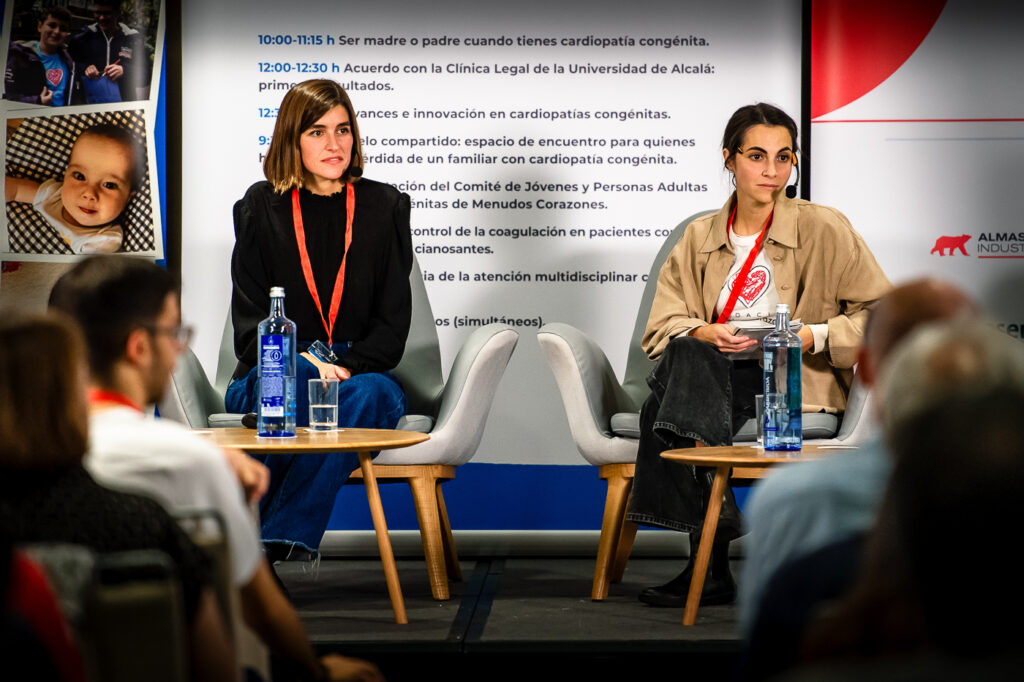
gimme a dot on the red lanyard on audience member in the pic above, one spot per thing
(307, 268)
(741, 277)
(101, 395)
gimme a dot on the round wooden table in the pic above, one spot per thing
(307, 440)
(362, 441)
(732, 461)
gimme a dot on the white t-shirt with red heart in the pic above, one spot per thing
(758, 298)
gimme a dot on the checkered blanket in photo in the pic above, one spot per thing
(39, 150)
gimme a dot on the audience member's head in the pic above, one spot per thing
(901, 311)
(43, 419)
(128, 310)
(960, 358)
(954, 393)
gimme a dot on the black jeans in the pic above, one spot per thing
(697, 393)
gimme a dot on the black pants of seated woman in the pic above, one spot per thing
(697, 393)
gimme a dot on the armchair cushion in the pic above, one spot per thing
(416, 422)
(224, 420)
(816, 425)
(626, 424)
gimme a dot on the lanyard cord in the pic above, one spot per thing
(307, 267)
(741, 277)
(102, 395)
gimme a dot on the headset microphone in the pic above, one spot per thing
(357, 172)
(791, 189)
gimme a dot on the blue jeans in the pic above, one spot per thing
(697, 393)
(298, 504)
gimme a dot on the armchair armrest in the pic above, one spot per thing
(465, 401)
(190, 398)
(856, 425)
(590, 393)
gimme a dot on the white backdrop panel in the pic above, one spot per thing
(635, 129)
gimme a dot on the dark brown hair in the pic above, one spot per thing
(43, 418)
(301, 107)
(110, 297)
(751, 115)
(59, 13)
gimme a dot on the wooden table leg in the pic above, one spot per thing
(387, 555)
(707, 538)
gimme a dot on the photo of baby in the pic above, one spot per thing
(78, 184)
(85, 208)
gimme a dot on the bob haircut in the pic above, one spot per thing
(751, 115)
(301, 107)
(43, 415)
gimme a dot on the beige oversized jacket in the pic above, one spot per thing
(822, 269)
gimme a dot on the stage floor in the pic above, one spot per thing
(519, 616)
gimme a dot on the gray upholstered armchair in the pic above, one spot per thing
(604, 416)
(453, 412)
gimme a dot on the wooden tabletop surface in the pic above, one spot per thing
(305, 440)
(750, 454)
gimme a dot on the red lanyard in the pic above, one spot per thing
(307, 268)
(741, 277)
(100, 395)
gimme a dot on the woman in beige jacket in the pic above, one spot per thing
(802, 254)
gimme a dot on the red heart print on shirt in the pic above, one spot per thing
(756, 285)
(54, 76)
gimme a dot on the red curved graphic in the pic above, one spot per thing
(857, 44)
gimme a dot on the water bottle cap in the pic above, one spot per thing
(782, 308)
(277, 292)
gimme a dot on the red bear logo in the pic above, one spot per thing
(951, 243)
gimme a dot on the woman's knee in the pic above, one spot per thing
(240, 395)
(686, 341)
(378, 389)
(374, 383)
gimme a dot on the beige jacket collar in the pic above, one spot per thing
(783, 230)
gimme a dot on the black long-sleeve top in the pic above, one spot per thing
(376, 304)
(69, 506)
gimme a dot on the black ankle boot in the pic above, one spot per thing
(719, 586)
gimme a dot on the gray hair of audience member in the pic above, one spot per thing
(957, 358)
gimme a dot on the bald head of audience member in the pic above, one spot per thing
(903, 310)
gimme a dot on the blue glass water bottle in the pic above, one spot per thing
(275, 406)
(782, 398)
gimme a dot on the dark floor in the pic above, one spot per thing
(517, 616)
